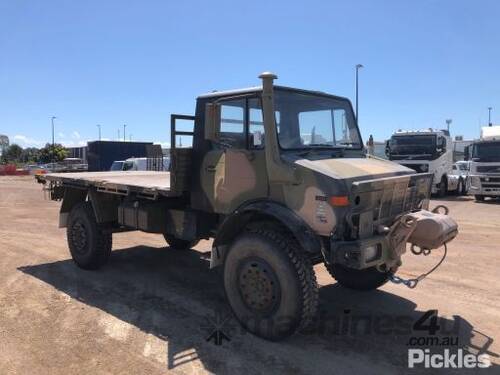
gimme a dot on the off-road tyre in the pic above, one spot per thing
(89, 243)
(179, 244)
(270, 284)
(367, 279)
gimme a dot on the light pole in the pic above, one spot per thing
(124, 126)
(53, 137)
(448, 122)
(118, 134)
(99, 127)
(489, 115)
(358, 66)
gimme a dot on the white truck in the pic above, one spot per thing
(426, 151)
(484, 157)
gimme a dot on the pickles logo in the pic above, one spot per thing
(461, 359)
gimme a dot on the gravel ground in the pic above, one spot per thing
(151, 309)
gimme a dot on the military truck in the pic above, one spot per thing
(278, 178)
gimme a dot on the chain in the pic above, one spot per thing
(412, 283)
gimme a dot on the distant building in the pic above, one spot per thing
(101, 154)
(78, 152)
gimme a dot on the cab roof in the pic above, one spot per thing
(256, 89)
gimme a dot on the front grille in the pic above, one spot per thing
(486, 185)
(379, 202)
(488, 168)
(490, 179)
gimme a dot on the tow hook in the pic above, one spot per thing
(444, 230)
(412, 283)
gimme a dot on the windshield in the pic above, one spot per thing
(116, 166)
(412, 146)
(486, 151)
(307, 121)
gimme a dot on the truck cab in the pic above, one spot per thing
(426, 151)
(484, 163)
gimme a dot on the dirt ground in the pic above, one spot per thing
(151, 309)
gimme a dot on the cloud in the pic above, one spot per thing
(76, 135)
(61, 135)
(25, 141)
(74, 143)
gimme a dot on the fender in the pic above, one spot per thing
(234, 224)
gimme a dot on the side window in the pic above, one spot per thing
(128, 166)
(232, 125)
(256, 124)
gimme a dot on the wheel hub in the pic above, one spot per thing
(258, 285)
(79, 236)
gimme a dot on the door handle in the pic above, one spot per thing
(210, 168)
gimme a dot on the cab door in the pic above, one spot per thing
(234, 171)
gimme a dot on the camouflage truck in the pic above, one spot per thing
(278, 178)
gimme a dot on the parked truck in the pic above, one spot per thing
(427, 151)
(484, 164)
(278, 178)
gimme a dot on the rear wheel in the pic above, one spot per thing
(479, 198)
(178, 243)
(89, 243)
(367, 279)
(464, 188)
(443, 187)
(270, 284)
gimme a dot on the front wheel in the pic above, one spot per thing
(89, 243)
(270, 284)
(367, 279)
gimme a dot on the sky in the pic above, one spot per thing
(136, 62)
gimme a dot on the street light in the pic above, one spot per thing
(489, 115)
(53, 137)
(99, 126)
(448, 122)
(124, 126)
(358, 66)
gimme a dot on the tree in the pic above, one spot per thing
(12, 153)
(57, 153)
(30, 155)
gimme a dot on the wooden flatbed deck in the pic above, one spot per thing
(150, 183)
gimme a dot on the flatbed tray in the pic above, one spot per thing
(151, 183)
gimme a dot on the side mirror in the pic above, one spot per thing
(466, 153)
(212, 121)
(387, 148)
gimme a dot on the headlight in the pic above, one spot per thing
(475, 182)
(424, 167)
(372, 252)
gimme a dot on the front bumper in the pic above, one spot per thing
(484, 185)
(423, 229)
(361, 254)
